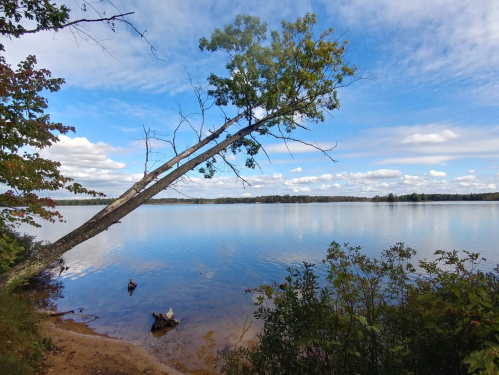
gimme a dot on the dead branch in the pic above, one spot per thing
(261, 146)
(323, 150)
(117, 17)
(148, 147)
(146, 180)
(163, 321)
(284, 138)
(234, 169)
(55, 313)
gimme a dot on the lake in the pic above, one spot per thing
(199, 259)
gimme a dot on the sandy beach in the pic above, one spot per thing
(80, 350)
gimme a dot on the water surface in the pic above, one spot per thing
(199, 259)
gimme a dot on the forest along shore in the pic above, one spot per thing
(414, 197)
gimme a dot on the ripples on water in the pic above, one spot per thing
(199, 259)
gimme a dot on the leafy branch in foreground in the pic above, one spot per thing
(45, 15)
(375, 316)
(24, 126)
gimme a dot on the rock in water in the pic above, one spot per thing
(164, 321)
(132, 284)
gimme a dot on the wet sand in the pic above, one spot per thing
(80, 350)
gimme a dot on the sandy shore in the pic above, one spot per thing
(82, 351)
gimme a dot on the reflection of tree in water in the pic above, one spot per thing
(43, 290)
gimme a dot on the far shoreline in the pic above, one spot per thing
(279, 199)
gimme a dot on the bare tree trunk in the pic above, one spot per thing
(149, 177)
(100, 223)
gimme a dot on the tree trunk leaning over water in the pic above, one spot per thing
(295, 77)
(128, 202)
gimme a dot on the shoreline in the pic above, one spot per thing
(80, 350)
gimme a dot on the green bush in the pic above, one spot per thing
(22, 344)
(376, 317)
(16, 247)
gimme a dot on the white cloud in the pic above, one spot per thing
(361, 178)
(383, 146)
(326, 187)
(132, 66)
(80, 152)
(427, 160)
(437, 174)
(246, 195)
(430, 138)
(465, 178)
(309, 179)
(259, 112)
(471, 171)
(296, 170)
(378, 174)
(433, 40)
(303, 180)
(300, 189)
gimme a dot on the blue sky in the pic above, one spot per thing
(428, 123)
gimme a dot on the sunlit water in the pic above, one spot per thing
(199, 259)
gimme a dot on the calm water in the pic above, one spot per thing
(199, 259)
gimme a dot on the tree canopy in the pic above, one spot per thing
(293, 79)
(45, 14)
(25, 129)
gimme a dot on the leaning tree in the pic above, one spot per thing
(272, 87)
(24, 125)
(23, 121)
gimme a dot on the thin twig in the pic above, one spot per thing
(324, 151)
(234, 169)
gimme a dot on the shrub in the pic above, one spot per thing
(16, 247)
(375, 316)
(23, 345)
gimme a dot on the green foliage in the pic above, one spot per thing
(295, 75)
(228, 200)
(414, 197)
(375, 316)
(22, 344)
(47, 15)
(484, 362)
(392, 198)
(25, 128)
(14, 247)
(9, 248)
(209, 170)
(24, 125)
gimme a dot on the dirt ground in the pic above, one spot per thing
(82, 351)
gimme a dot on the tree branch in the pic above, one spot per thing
(234, 169)
(83, 20)
(324, 151)
(146, 180)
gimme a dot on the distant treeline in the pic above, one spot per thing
(264, 199)
(84, 202)
(414, 197)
